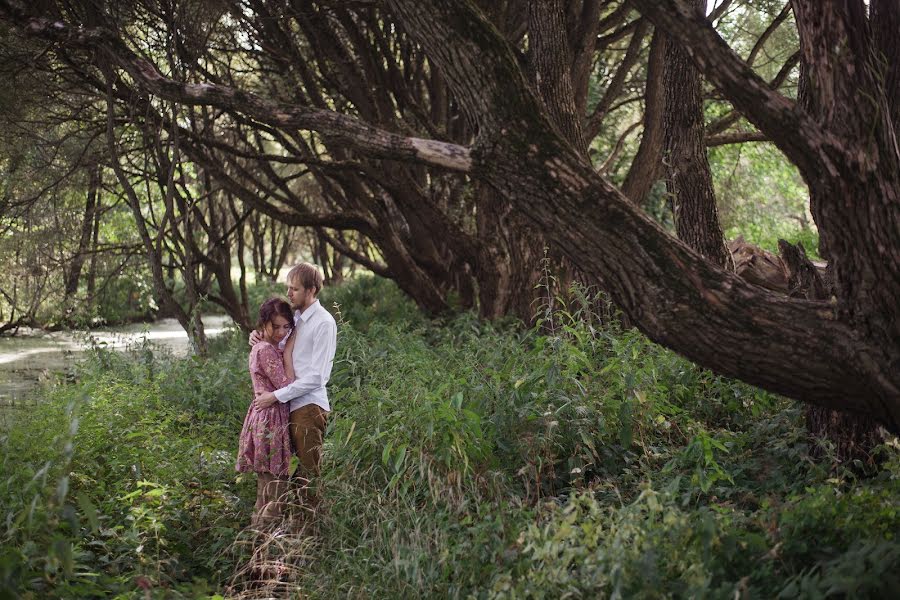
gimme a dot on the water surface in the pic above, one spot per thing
(26, 361)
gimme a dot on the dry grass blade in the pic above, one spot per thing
(278, 551)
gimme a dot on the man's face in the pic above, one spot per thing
(301, 298)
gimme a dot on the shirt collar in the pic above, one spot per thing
(306, 314)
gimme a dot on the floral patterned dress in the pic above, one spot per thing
(265, 444)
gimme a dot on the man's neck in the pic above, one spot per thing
(308, 306)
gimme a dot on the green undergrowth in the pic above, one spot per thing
(463, 459)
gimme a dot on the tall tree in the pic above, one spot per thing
(154, 245)
(854, 436)
(838, 355)
(689, 180)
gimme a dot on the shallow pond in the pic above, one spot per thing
(27, 360)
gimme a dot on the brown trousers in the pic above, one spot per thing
(307, 430)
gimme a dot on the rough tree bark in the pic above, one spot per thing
(853, 436)
(551, 64)
(689, 180)
(670, 293)
(504, 287)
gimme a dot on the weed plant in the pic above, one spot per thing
(463, 459)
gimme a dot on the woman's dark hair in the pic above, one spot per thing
(271, 308)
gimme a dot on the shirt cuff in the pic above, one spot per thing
(281, 395)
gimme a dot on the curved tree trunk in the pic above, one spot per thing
(799, 348)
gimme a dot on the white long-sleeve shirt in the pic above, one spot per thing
(313, 357)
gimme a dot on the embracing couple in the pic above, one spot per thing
(290, 363)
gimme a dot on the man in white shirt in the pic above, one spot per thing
(310, 350)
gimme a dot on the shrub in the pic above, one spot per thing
(462, 459)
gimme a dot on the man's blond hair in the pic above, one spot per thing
(307, 275)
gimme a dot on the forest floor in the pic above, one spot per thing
(463, 459)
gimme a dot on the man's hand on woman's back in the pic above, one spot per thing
(255, 338)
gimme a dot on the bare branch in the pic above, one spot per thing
(339, 128)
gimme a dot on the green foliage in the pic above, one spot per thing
(463, 459)
(367, 300)
(762, 196)
(260, 291)
(128, 297)
(590, 549)
(125, 478)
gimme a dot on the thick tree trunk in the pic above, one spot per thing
(538, 275)
(508, 268)
(847, 93)
(551, 65)
(885, 22)
(790, 346)
(689, 181)
(851, 436)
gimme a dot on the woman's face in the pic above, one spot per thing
(277, 328)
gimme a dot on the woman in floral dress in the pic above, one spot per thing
(265, 443)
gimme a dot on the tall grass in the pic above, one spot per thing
(462, 459)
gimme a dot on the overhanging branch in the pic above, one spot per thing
(339, 128)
